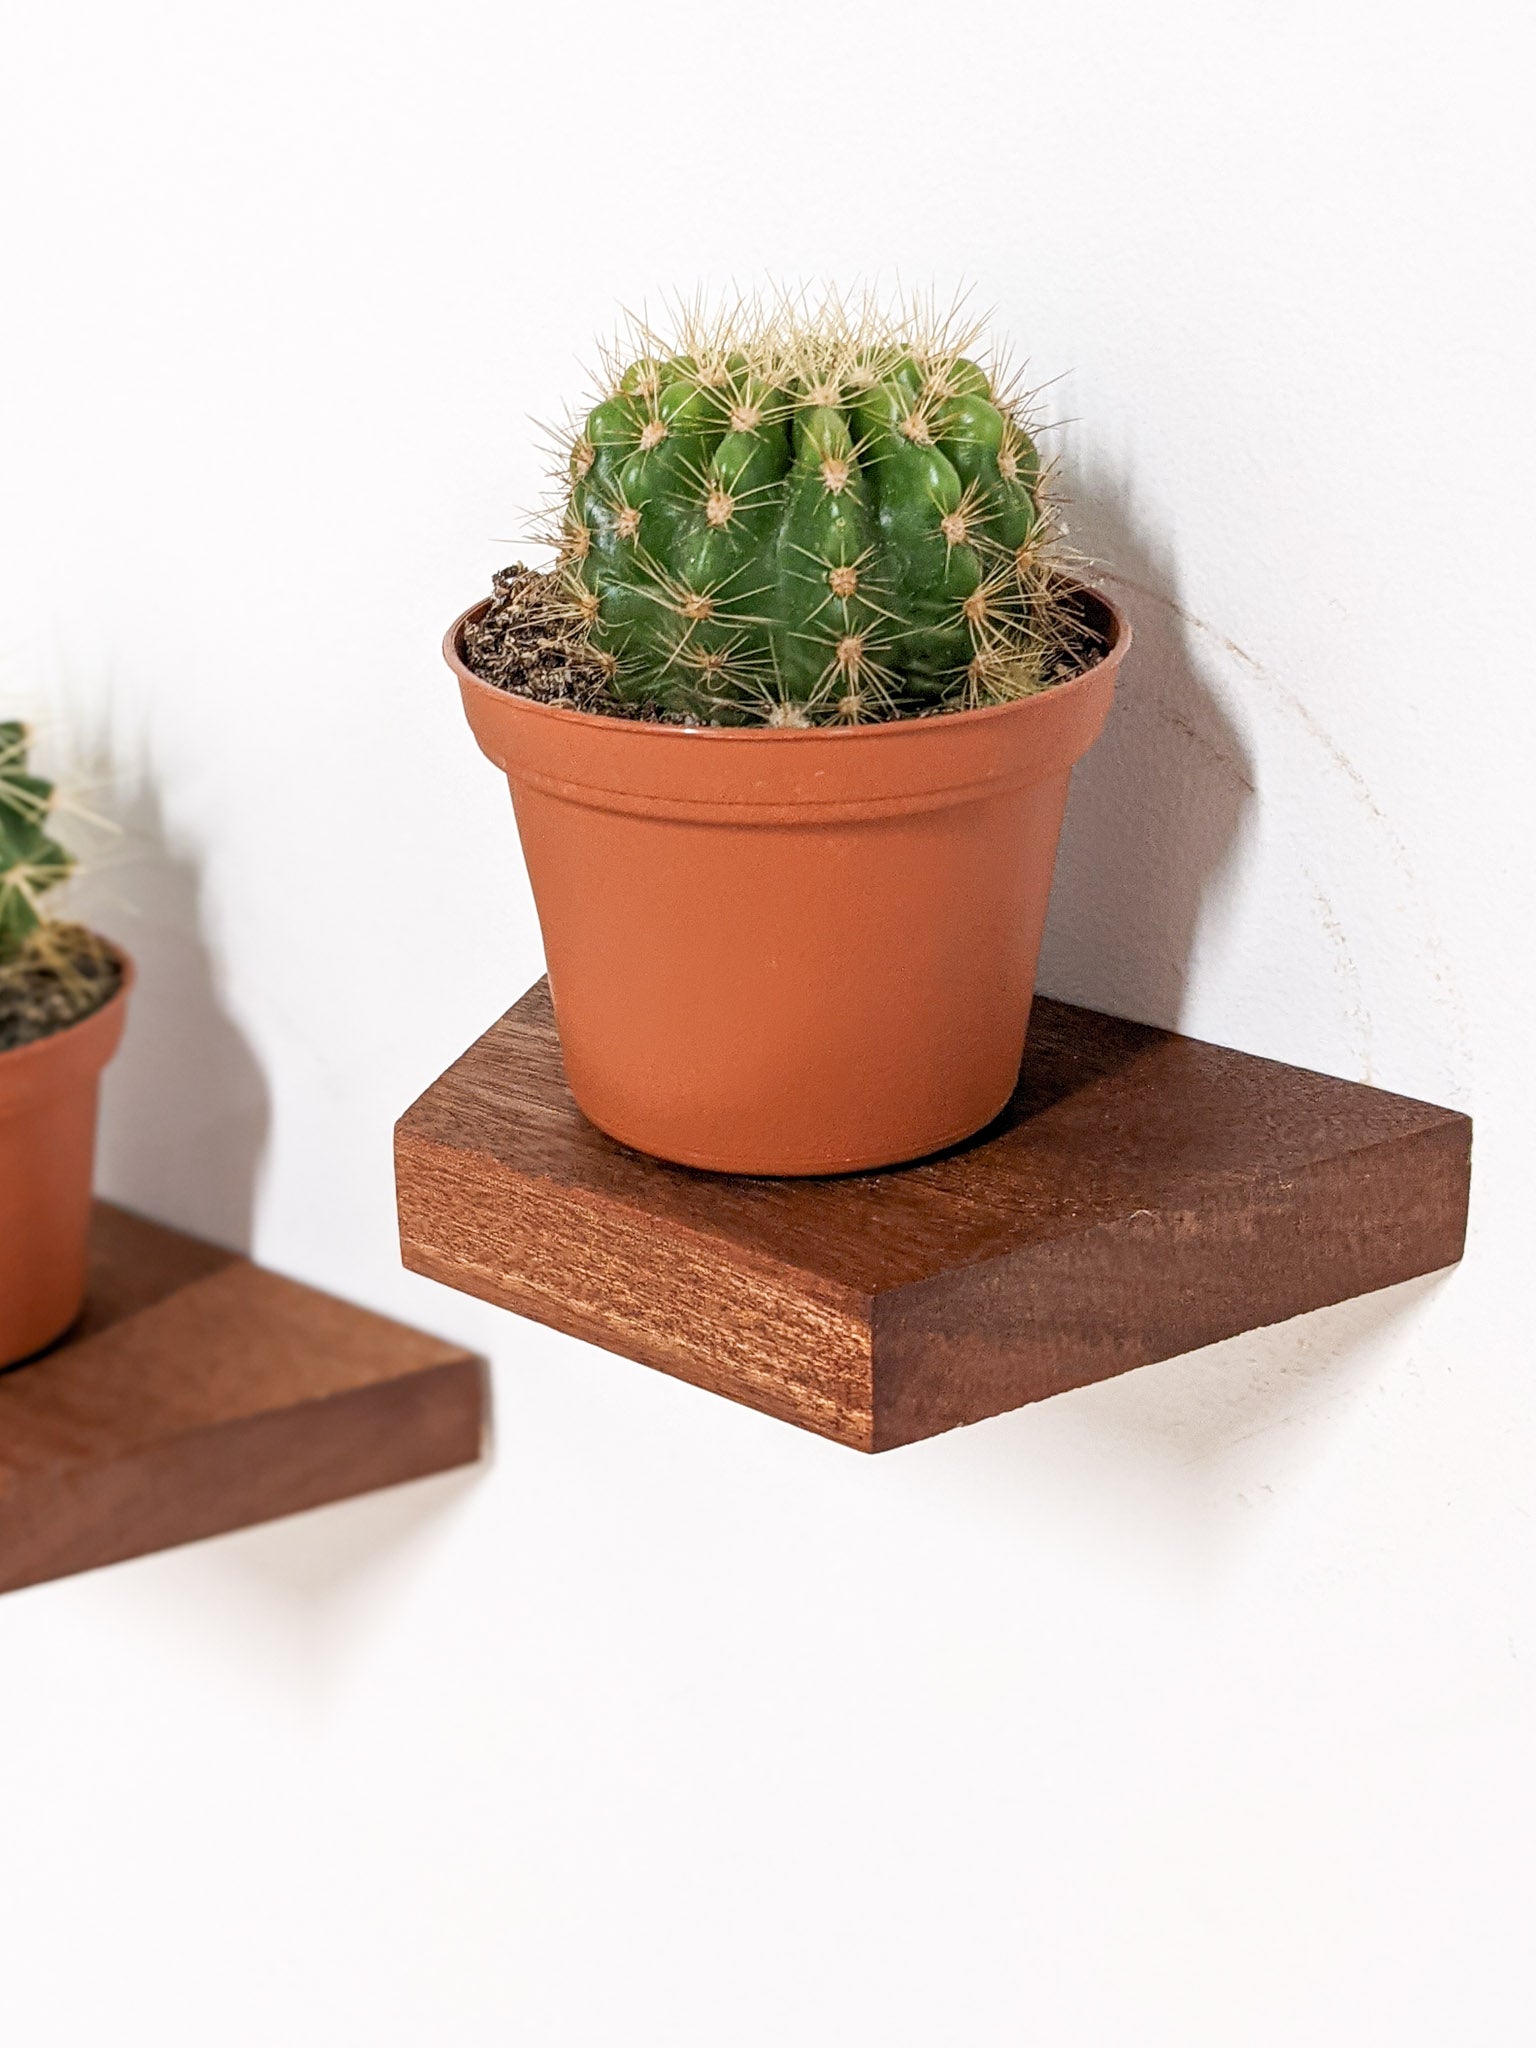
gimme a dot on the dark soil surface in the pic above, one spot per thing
(531, 644)
(62, 974)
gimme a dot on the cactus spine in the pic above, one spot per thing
(30, 862)
(807, 520)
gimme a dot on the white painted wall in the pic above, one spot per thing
(1191, 1709)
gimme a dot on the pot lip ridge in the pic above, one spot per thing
(878, 729)
(37, 1050)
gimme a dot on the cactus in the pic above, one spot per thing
(30, 861)
(802, 520)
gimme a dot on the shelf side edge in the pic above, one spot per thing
(761, 1334)
(1073, 1310)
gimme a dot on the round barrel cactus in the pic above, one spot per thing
(806, 521)
(30, 861)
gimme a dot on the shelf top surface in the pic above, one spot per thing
(1110, 1118)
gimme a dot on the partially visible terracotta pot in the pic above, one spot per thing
(792, 952)
(48, 1096)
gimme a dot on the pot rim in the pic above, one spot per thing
(38, 1049)
(877, 729)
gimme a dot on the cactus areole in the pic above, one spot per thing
(62, 999)
(792, 899)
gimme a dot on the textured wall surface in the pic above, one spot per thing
(1194, 1708)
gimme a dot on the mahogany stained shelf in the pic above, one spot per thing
(1141, 1195)
(200, 1393)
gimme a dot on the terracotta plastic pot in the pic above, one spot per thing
(47, 1152)
(792, 952)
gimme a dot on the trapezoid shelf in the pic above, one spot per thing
(1142, 1194)
(200, 1393)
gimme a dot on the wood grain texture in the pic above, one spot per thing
(200, 1393)
(1142, 1194)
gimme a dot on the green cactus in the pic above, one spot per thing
(804, 521)
(30, 861)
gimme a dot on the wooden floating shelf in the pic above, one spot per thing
(1142, 1194)
(199, 1394)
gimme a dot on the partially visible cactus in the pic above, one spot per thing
(30, 862)
(800, 521)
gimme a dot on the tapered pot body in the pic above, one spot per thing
(792, 952)
(48, 1096)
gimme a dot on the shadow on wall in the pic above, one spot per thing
(1157, 807)
(185, 1107)
(1171, 1466)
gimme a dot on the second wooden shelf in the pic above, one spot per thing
(200, 1393)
